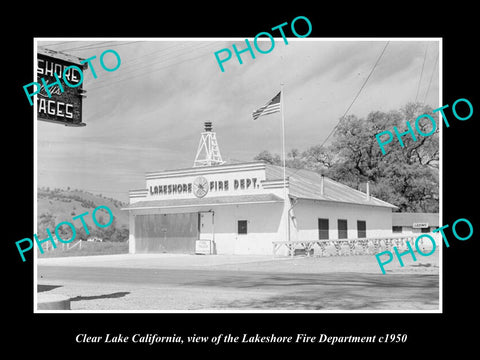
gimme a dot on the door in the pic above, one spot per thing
(206, 226)
(166, 233)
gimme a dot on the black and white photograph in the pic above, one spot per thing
(272, 182)
(273, 193)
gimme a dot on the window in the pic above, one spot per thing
(242, 226)
(322, 229)
(342, 229)
(396, 229)
(425, 230)
(361, 229)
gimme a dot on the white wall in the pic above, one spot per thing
(131, 233)
(307, 212)
(264, 225)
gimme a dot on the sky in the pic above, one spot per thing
(148, 114)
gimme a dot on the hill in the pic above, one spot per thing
(57, 205)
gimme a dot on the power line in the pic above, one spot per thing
(421, 72)
(89, 47)
(57, 43)
(82, 47)
(355, 98)
(130, 67)
(431, 77)
(148, 72)
(358, 93)
(148, 55)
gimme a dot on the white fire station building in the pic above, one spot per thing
(218, 208)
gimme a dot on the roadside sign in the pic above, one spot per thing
(203, 247)
(420, 225)
(61, 107)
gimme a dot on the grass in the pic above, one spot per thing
(86, 249)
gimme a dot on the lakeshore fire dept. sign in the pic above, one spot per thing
(60, 107)
(201, 186)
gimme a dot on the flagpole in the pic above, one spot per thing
(287, 237)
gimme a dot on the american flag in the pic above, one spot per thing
(271, 107)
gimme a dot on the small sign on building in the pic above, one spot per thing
(203, 247)
(420, 225)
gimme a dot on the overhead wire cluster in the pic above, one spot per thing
(421, 75)
(357, 95)
(177, 53)
(170, 54)
(362, 87)
(370, 74)
(431, 77)
(146, 64)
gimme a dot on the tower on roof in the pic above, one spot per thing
(208, 153)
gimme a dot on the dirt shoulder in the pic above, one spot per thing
(204, 283)
(359, 263)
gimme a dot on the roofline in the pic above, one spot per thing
(348, 202)
(257, 165)
(200, 205)
(417, 213)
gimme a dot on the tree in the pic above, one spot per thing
(318, 158)
(81, 234)
(120, 235)
(45, 221)
(109, 230)
(269, 158)
(405, 176)
(295, 160)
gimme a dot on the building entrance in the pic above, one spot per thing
(166, 233)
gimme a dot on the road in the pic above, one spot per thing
(109, 288)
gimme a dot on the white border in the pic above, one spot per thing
(35, 159)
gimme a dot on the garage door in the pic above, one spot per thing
(160, 233)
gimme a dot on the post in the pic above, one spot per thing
(285, 197)
(212, 244)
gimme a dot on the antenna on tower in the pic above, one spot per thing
(208, 153)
